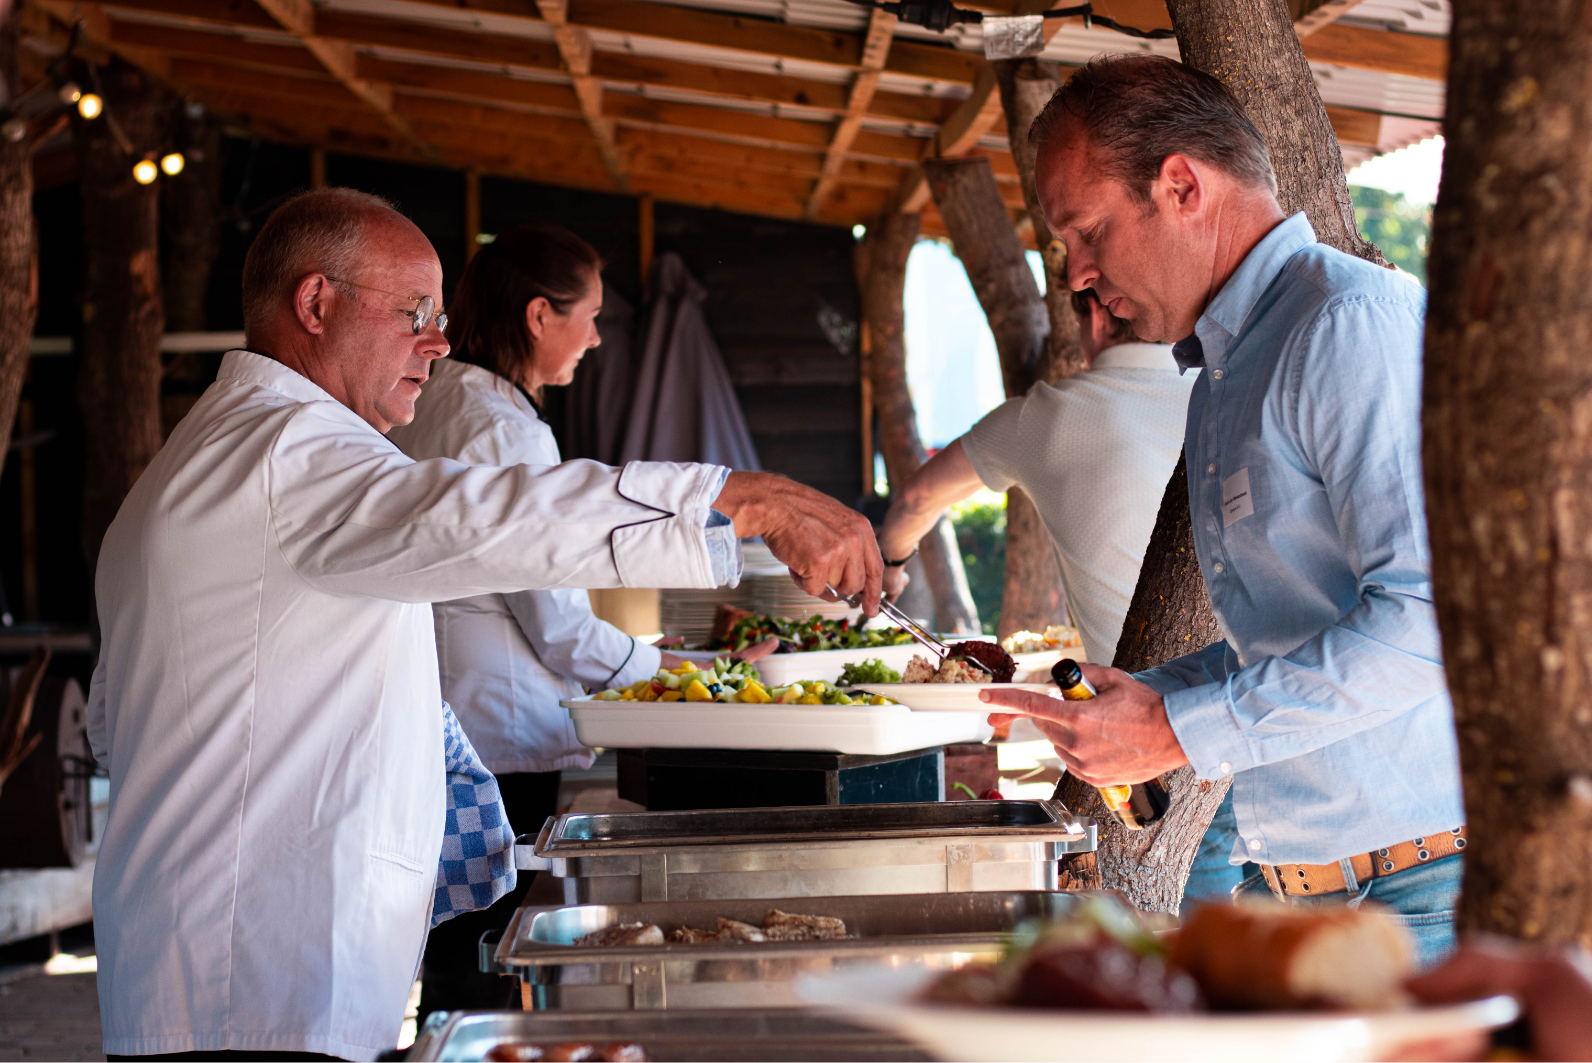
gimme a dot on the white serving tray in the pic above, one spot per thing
(949, 697)
(884, 998)
(779, 669)
(866, 729)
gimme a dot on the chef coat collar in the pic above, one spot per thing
(514, 392)
(251, 368)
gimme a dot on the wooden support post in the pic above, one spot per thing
(19, 273)
(646, 235)
(317, 168)
(865, 357)
(472, 213)
(881, 264)
(1508, 461)
(119, 368)
(190, 221)
(970, 202)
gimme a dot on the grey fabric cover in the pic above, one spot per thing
(683, 406)
(598, 400)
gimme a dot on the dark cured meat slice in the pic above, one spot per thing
(990, 655)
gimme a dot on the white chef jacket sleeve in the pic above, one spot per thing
(573, 642)
(353, 515)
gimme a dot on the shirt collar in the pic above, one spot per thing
(252, 368)
(1135, 356)
(1225, 316)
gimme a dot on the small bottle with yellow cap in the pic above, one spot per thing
(1135, 806)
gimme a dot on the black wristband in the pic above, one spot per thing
(897, 564)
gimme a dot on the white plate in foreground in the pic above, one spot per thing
(948, 697)
(996, 1035)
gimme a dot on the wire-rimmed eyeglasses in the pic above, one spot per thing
(425, 306)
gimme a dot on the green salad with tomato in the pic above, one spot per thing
(804, 636)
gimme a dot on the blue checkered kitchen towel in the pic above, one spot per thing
(477, 865)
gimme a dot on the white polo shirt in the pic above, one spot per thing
(1094, 452)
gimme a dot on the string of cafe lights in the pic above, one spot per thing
(15, 122)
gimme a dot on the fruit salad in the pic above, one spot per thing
(734, 683)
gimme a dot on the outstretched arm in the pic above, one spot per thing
(942, 481)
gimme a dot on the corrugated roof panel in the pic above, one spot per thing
(1431, 17)
(1372, 90)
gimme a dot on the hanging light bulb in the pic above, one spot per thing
(171, 164)
(144, 171)
(69, 92)
(90, 106)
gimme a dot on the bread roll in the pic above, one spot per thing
(1279, 958)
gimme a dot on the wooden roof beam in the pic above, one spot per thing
(959, 135)
(574, 45)
(337, 56)
(875, 49)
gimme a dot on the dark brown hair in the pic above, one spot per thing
(486, 316)
(314, 232)
(1138, 109)
(1121, 327)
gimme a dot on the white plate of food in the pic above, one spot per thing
(883, 998)
(1233, 984)
(948, 697)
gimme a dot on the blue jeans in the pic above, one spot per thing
(1420, 899)
(1213, 878)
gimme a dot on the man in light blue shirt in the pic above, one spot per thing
(1326, 700)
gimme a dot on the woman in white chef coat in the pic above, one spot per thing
(523, 315)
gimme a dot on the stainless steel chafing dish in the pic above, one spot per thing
(707, 1036)
(940, 931)
(817, 851)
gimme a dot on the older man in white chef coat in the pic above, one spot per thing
(267, 697)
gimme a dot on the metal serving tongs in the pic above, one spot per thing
(923, 636)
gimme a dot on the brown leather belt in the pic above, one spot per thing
(1312, 880)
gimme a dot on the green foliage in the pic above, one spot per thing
(981, 536)
(1402, 229)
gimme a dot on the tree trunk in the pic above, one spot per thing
(1026, 86)
(1251, 46)
(19, 272)
(1170, 615)
(970, 203)
(1508, 458)
(119, 370)
(881, 264)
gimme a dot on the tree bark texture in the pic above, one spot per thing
(880, 260)
(1170, 615)
(1251, 46)
(1507, 452)
(19, 272)
(970, 202)
(1026, 86)
(119, 368)
(190, 221)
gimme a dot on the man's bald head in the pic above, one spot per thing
(324, 231)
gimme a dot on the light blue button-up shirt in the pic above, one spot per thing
(1326, 701)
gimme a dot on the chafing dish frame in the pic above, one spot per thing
(935, 930)
(822, 850)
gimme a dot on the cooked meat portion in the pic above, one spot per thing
(734, 930)
(793, 926)
(991, 656)
(514, 1053)
(623, 934)
(690, 935)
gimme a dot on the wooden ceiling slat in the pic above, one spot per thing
(281, 86)
(489, 119)
(875, 50)
(1410, 54)
(744, 124)
(215, 46)
(470, 84)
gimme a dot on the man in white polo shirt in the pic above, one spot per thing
(1093, 451)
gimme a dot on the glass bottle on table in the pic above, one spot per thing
(1135, 806)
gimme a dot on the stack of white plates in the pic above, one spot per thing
(779, 596)
(690, 612)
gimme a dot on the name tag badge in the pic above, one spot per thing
(1237, 502)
